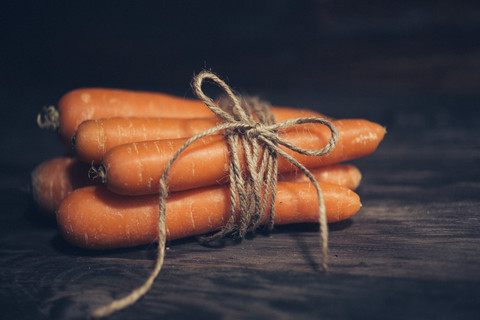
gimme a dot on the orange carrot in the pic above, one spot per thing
(54, 179)
(95, 137)
(94, 218)
(136, 168)
(95, 103)
(345, 175)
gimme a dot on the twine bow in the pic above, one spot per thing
(251, 195)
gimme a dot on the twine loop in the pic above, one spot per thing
(247, 123)
(252, 132)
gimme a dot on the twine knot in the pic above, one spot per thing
(252, 136)
(255, 130)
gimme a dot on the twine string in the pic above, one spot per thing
(251, 194)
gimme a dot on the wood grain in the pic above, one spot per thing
(414, 243)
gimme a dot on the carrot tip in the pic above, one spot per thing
(74, 141)
(98, 173)
(50, 119)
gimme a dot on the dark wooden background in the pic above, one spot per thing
(412, 252)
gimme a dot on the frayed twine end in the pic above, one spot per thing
(49, 119)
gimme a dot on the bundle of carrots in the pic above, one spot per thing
(105, 194)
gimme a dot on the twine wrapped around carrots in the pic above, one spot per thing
(250, 195)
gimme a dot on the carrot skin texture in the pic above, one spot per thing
(95, 218)
(94, 138)
(136, 168)
(346, 175)
(96, 103)
(55, 179)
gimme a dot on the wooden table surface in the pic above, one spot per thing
(411, 252)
